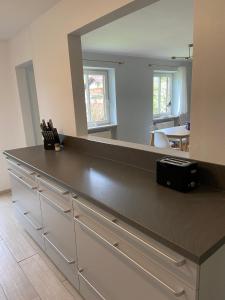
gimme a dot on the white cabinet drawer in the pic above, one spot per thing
(115, 273)
(172, 262)
(59, 235)
(61, 194)
(29, 224)
(58, 225)
(21, 169)
(24, 194)
(66, 265)
(87, 289)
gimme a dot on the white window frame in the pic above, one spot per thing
(105, 73)
(163, 74)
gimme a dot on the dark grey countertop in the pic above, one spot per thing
(192, 224)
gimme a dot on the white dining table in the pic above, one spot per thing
(177, 133)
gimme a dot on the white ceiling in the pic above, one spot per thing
(16, 14)
(161, 30)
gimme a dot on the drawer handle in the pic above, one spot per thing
(19, 209)
(176, 293)
(178, 263)
(26, 215)
(25, 170)
(70, 262)
(52, 186)
(91, 286)
(13, 162)
(54, 204)
(17, 164)
(20, 178)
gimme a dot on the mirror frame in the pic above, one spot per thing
(76, 66)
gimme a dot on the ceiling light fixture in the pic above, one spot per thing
(189, 57)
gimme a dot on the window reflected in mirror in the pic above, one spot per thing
(96, 97)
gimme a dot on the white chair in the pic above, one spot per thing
(183, 119)
(152, 129)
(161, 140)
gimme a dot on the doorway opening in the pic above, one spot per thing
(29, 103)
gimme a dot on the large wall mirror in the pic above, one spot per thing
(137, 76)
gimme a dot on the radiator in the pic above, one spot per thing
(164, 125)
(105, 134)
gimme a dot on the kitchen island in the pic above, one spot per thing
(122, 205)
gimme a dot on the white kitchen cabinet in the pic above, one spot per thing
(21, 169)
(114, 271)
(103, 257)
(59, 235)
(29, 226)
(25, 196)
(87, 290)
(27, 204)
(174, 263)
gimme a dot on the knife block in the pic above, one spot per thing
(51, 138)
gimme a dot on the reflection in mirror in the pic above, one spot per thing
(137, 76)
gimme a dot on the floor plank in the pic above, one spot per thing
(18, 241)
(72, 290)
(46, 259)
(14, 238)
(44, 280)
(2, 294)
(12, 279)
(12, 233)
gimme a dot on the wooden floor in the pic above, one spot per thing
(26, 273)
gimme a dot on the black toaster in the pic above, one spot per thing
(178, 174)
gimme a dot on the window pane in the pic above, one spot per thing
(97, 97)
(166, 94)
(169, 94)
(156, 95)
(87, 98)
(162, 94)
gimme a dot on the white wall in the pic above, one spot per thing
(12, 134)
(11, 130)
(208, 104)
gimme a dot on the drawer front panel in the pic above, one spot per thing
(68, 269)
(103, 265)
(59, 236)
(59, 227)
(168, 259)
(29, 225)
(87, 289)
(21, 169)
(59, 194)
(25, 195)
